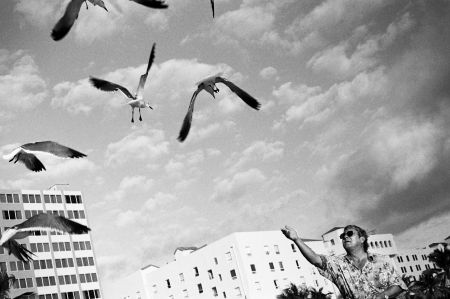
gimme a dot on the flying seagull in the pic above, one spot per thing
(212, 6)
(209, 85)
(66, 22)
(152, 3)
(6, 284)
(42, 222)
(18, 250)
(137, 101)
(26, 153)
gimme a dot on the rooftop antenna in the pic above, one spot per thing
(54, 188)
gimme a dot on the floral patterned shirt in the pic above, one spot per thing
(377, 274)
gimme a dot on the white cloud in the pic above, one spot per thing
(144, 145)
(364, 87)
(269, 73)
(260, 151)
(405, 151)
(237, 186)
(133, 184)
(424, 233)
(342, 63)
(21, 87)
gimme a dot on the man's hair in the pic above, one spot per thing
(361, 233)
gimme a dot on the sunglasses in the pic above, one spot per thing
(349, 234)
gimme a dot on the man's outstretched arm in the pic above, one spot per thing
(307, 252)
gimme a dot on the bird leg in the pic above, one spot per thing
(140, 117)
(132, 115)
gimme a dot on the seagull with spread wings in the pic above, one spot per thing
(137, 100)
(40, 222)
(63, 26)
(26, 153)
(209, 85)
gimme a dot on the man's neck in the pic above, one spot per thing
(356, 254)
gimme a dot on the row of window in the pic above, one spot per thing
(23, 283)
(418, 268)
(18, 266)
(67, 279)
(414, 257)
(276, 249)
(82, 245)
(9, 198)
(88, 294)
(381, 244)
(62, 279)
(85, 261)
(36, 198)
(42, 264)
(11, 214)
(16, 214)
(88, 277)
(214, 292)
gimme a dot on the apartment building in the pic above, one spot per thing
(412, 262)
(253, 265)
(241, 265)
(64, 266)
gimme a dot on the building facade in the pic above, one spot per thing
(64, 265)
(240, 265)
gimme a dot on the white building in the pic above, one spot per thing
(64, 265)
(253, 265)
(241, 265)
(413, 262)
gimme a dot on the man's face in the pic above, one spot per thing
(351, 239)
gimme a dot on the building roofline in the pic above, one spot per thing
(333, 229)
(149, 265)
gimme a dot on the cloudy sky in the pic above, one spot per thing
(354, 125)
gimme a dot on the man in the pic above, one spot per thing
(359, 274)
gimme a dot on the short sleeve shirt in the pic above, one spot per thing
(377, 274)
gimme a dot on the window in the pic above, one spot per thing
(214, 290)
(228, 256)
(220, 277)
(237, 291)
(298, 264)
(258, 285)
(210, 274)
(168, 283)
(253, 268)
(407, 258)
(418, 268)
(275, 282)
(200, 288)
(385, 244)
(248, 250)
(181, 277)
(281, 266)
(185, 293)
(271, 266)
(196, 271)
(224, 295)
(266, 249)
(277, 249)
(294, 249)
(216, 261)
(233, 274)
(332, 242)
(411, 268)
